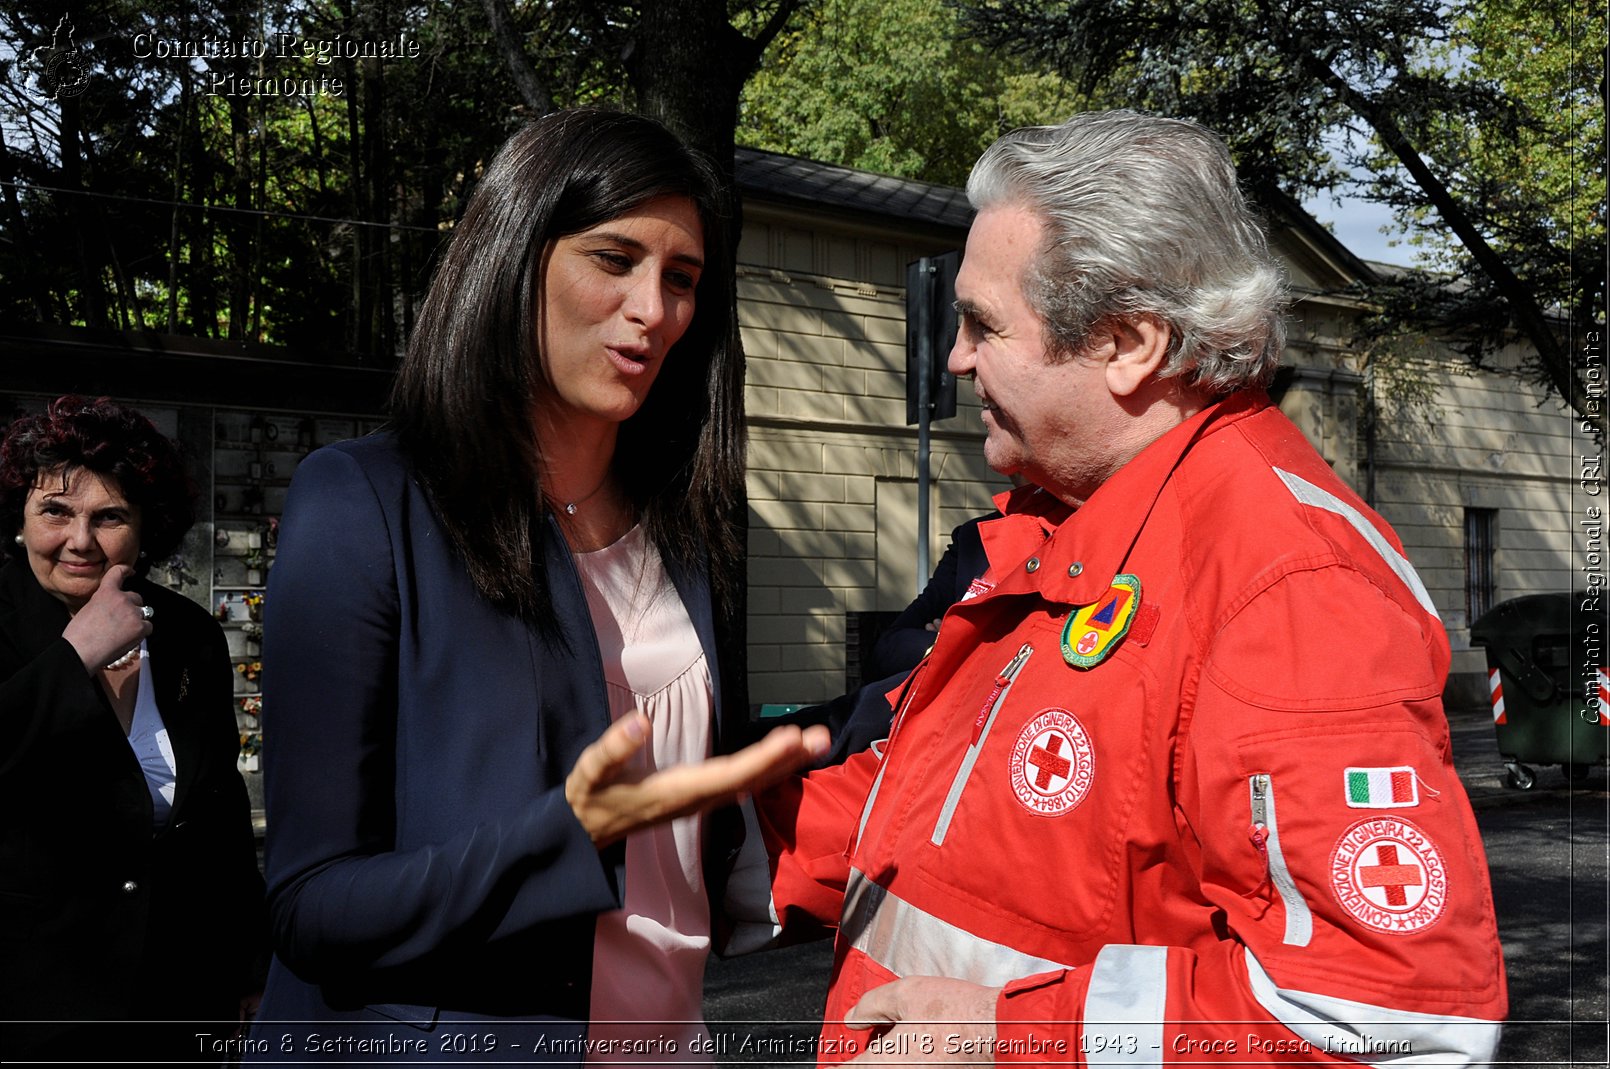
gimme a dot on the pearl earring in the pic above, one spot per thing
(19, 538)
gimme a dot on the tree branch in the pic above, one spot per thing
(775, 25)
(1553, 356)
(526, 81)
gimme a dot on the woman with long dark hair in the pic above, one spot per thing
(459, 852)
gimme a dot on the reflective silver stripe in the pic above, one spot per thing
(953, 799)
(1309, 494)
(871, 797)
(1299, 921)
(911, 942)
(881, 748)
(1127, 996)
(1378, 1035)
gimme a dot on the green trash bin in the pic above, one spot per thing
(1546, 709)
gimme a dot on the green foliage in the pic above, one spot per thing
(186, 194)
(1480, 122)
(1537, 182)
(889, 86)
(297, 198)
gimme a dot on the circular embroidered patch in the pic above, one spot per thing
(1389, 875)
(1053, 763)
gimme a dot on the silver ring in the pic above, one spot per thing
(146, 612)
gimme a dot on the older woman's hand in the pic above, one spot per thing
(612, 800)
(110, 623)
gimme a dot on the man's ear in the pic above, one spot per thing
(1139, 350)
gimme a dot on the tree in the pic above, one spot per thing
(272, 194)
(684, 64)
(1537, 189)
(889, 86)
(1406, 88)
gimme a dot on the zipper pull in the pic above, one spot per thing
(989, 703)
(1260, 839)
(1003, 679)
(1259, 833)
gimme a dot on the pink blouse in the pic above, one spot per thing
(649, 956)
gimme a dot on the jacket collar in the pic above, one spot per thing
(1079, 556)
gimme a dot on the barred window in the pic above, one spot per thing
(1481, 550)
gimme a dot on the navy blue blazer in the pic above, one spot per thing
(907, 639)
(423, 864)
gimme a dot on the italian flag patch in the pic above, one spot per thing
(1382, 788)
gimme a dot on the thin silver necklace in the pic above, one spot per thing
(572, 506)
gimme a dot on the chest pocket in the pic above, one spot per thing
(1038, 823)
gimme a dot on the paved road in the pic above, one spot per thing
(1546, 850)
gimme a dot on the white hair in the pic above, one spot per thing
(1143, 218)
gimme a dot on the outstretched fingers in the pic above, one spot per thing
(612, 801)
(764, 763)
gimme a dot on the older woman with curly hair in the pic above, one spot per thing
(129, 889)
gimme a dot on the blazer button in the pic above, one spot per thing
(129, 887)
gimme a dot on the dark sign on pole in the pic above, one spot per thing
(930, 389)
(930, 333)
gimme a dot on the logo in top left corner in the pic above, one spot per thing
(60, 68)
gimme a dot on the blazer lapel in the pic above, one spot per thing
(572, 666)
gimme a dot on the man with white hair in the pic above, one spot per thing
(1177, 787)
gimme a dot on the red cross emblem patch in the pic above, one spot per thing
(1390, 876)
(1053, 763)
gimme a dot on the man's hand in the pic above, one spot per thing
(928, 1019)
(612, 800)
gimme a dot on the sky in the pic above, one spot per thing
(1357, 224)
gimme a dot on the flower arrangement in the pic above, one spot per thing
(254, 603)
(252, 705)
(251, 746)
(250, 669)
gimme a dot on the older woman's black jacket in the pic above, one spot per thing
(102, 918)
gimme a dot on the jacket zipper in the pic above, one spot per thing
(1266, 837)
(981, 728)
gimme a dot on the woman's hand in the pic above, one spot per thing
(612, 800)
(110, 623)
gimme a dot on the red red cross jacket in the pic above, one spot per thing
(1180, 781)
